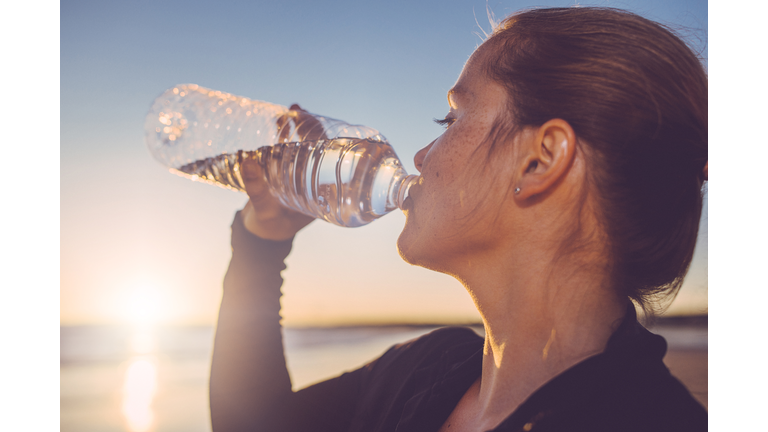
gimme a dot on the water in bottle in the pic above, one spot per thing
(349, 177)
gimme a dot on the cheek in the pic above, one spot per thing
(449, 191)
(446, 161)
(443, 189)
(456, 178)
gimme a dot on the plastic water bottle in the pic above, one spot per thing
(346, 174)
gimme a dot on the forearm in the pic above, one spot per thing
(249, 378)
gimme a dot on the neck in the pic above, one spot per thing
(537, 327)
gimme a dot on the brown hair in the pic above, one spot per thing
(636, 96)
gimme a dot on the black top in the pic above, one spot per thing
(415, 385)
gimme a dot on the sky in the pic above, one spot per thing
(139, 244)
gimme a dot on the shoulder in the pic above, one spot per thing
(604, 397)
(444, 345)
(435, 344)
(627, 387)
(442, 337)
(651, 403)
(639, 389)
(637, 392)
(655, 400)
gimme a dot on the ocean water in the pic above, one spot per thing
(156, 379)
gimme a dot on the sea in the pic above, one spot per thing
(155, 379)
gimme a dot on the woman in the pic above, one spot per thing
(568, 183)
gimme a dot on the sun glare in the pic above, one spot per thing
(138, 392)
(144, 306)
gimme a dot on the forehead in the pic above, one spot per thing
(470, 80)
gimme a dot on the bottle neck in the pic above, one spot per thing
(405, 186)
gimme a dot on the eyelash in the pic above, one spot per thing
(446, 122)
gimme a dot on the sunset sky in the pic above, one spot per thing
(141, 245)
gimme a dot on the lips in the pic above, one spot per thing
(410, 199)
(414, 190)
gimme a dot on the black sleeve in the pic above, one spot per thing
(250, 389)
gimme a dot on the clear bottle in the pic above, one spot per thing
(348, 175)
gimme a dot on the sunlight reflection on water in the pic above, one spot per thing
(140, 383)
(138, 393)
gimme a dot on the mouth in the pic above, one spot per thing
(407, 204)
(413, 191)
(404, 190)
(410, 199)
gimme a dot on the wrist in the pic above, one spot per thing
(276, 226)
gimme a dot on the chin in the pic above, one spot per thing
(404, 248)
(414, 253)
(410, 250)
(416, 246)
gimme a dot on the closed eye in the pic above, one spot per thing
(446, 122)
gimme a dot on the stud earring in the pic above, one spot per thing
(517, 190)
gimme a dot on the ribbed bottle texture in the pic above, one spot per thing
(348, 175)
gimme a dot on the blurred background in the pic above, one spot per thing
(143, 252)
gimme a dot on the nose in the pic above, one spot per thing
(418, 160)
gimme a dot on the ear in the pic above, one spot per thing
(548, 152)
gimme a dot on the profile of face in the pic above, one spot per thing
(451, 214)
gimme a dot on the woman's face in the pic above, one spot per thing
(451, 212)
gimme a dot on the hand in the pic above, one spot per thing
(299, 125)
(264, 215)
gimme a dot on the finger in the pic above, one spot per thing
(308, 127)
(251, 169)
(253, 178)
(286, 125)
(299, 125)
(305, 126)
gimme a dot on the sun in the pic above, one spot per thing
(144, 306)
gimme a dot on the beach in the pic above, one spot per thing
(156, 379)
